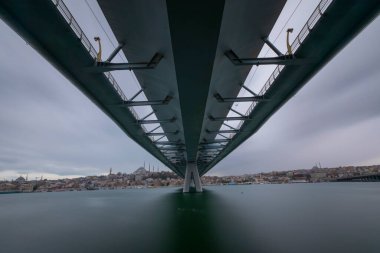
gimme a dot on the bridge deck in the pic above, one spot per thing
(193, 41)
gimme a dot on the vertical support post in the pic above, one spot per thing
(192, 176)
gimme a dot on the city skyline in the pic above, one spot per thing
(49, 127)
(144, 178)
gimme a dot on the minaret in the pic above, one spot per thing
(110, 171)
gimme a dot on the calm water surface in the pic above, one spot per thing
(335, 217)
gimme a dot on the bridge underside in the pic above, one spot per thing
(194, 85)
(193, 37)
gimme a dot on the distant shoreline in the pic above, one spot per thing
(142, 187)
(143, 178)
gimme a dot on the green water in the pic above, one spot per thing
(335, 217)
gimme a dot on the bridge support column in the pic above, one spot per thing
(192, 176)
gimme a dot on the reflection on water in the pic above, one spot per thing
(341, 217)
(205, 223)
(190, 225)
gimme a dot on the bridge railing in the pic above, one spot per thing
(302, 35)
(62, 8)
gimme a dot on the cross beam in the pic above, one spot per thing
(239, 99)
(229, 131)
(158, 134)
(205, 146)
(208, 155)
(171, 148)
(215, 141)
(206, 160)
(228, 118)
(279, 60)
(208, 152)
(211, 148)
(176, 161)
(169, 143)
(155, 121)
(173, 152)
(108, 66)
(173, 155)
(145, 103)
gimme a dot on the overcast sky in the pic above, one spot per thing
(48, 127)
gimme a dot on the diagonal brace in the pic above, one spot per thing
(115, 52)
(248, 89)
(146, 116)
(273, 47)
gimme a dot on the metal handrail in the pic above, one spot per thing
(302, 35)
(313, 19)
(60, 5)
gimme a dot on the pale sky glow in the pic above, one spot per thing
(48, 127)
